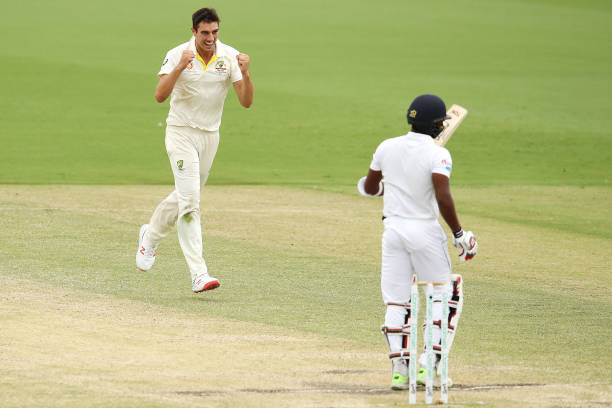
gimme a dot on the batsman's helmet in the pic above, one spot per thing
(426, 114)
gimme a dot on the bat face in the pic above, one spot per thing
(457, 114)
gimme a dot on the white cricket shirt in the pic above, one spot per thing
(407, 163)
(199, 93)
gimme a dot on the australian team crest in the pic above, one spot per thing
(220, 67)
(179, 164)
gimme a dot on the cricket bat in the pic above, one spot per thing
(457, 114)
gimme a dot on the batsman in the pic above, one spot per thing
(412, 173)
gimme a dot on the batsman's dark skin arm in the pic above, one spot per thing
(372, 182)
(445, 201)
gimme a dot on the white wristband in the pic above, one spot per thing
(361, 188)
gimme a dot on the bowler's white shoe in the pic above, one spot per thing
(204, 282)
(145, 256)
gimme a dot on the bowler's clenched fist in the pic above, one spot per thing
(186, 58)
(243, 62)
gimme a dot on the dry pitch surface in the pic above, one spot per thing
(67, 347)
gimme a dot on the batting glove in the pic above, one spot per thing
(361, 188)
(466, 242)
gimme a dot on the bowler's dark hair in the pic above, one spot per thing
(207, 15)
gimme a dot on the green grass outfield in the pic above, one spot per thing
(333, 79)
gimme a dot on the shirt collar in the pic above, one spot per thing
(219, 49)
(205, 65)
(420, 136)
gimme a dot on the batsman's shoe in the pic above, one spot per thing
(400, 379)
(422, 377)
(204, 282)
(437, 382)
(145, 256)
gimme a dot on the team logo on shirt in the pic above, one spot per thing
(447, 165)
(190, 65)
(166, 60)
(220, 67)
(179, 164)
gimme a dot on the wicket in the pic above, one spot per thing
(429, 350)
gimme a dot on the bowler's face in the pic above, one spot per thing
(206, 35)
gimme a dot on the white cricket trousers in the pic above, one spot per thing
(191, 153)
(410, 246)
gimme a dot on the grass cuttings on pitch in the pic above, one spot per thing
(290, 261)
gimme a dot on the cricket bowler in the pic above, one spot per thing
(412, 174)
(197, 76)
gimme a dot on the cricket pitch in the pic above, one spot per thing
(102, 336)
